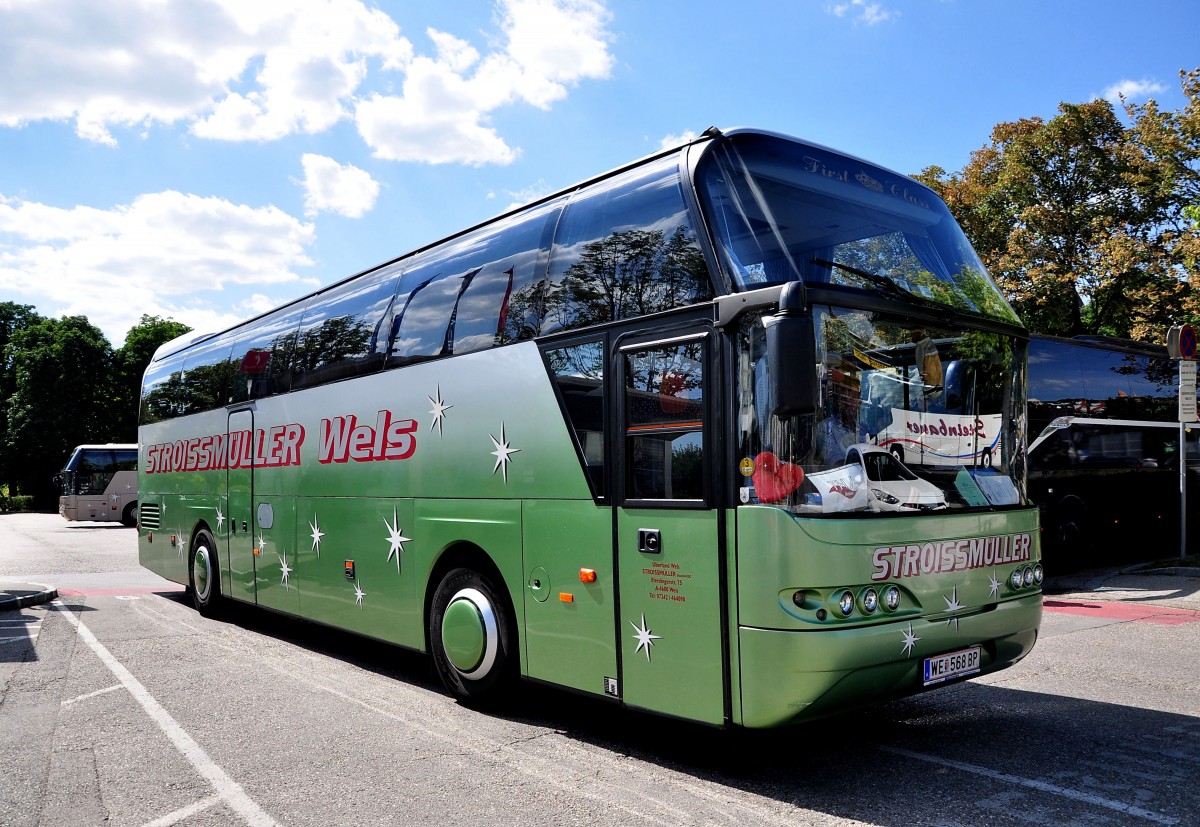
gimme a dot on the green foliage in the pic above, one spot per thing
(1088, 223)
(129, 363)
(62, 385)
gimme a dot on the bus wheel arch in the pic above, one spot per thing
(204, 571)
(470, 627)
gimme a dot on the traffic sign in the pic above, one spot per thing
(1187, 342)
(1187, 390)
(1181, 342)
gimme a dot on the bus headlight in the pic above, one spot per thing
(846, 603)
(1028, 576)
(1038, 574)
(891, 598)
(870, 601)
(1018, 577)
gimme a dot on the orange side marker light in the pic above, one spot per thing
(566, 598)
(587, 575)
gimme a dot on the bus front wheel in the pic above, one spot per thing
(129, 516)
(204, 573)
(470, 637)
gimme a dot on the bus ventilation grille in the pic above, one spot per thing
(150, 516)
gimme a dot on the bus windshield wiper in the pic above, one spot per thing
(882, 283)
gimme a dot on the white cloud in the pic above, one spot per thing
(235, 70)
(684, 137)
(167, 254)
(441, 114)
(333, 187)
(1132, 90)
(863, 11)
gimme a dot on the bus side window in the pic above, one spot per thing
(578, 371)
(625, 247)
(477, 291)
(343, 330)
(206, 378)
(264, 359)
(664, 423)
(161, 390)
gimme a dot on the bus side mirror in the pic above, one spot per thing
(792, 354)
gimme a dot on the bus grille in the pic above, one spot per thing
(150, 515)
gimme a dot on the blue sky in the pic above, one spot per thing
(206, 160)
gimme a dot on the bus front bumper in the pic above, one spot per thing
(791, 676)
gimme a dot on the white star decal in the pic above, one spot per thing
(644, 637)
(952, 605)
(359, 594)
(503, 454)
(220, 519)
(395, 538)
(262, 543)
(995, 584)
(287, 573)
(438, 411)
(316, 535)
(910, 640)
(114, 497)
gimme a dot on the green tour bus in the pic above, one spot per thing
(620, 441)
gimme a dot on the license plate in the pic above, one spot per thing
(951, 665)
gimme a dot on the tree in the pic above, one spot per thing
(13, 319)
(129, 363)
(1083, 220)
(62, 371)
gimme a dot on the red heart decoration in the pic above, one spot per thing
(774, 480)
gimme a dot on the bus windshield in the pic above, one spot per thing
(911, 418)
(784, 211)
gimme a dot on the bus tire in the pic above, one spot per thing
(204, 573)
(470, 638)
(129, 516)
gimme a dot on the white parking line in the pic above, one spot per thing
(1075, 795)
(184, 812)
(225, 787)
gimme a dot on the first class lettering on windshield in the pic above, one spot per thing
(342, 439)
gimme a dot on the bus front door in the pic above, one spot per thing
(241, 552)
(667, 532)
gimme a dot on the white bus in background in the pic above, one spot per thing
(99, 482)
(922, 424)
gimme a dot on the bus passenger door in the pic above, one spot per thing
(667, 531)
(240, 553)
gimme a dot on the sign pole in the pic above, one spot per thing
(1182, 347)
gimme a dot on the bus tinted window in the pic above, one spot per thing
(477, 291)
(664, 422)
(160, 390)
(340, 334)
(263, 357)
(625, 247)
(1069, 378)
(579, 372)
(207, 376)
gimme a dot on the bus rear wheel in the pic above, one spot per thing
(470, 638)
(204, 573)
(129, 516)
